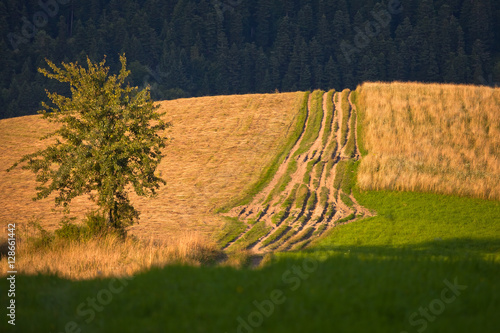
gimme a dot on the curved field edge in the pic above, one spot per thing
(297, 127)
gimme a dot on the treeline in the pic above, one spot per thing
(185, 48)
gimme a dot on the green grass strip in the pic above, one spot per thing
(345, 198)
(302, 194)
(304, 234)
(361, 112)
(312, 201)
(278, 217)
(253, 235)
(318, 170)
(320, 230)
(347, 218)
(313, 123)
(345, 116)
(345, 178)
(276, 234)
(283, 239)
(307, 174)
(341, 167)
(291, 198)
(270, 171)
(323, 196)
(329, 116)
(230, 231)
(350, 146)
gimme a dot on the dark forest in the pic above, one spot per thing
(186, 48)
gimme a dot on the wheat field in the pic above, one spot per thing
(431, 137)
(218, 147)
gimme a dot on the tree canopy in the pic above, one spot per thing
(185, 48)
(108, 141)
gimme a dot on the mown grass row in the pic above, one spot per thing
(345, 177)
(346, 108)
(313, 124)
(270, 171)
(276, 234)
(232, 228)
(360, 115)
(283, 239)
(350, 147)
(259, 230)
(329, 116)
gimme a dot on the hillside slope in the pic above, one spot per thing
(219, 146)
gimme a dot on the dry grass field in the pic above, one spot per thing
(432, 138)
(218, 148)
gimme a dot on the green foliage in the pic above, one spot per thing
(213, 52)
(37, 237)
(94, 226)
(107, 139)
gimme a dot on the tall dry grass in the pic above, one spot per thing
(431, 137)
(107, 256)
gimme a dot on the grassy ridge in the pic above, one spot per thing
(346, 108)
(258, 230)
(360, 114)
(350, 146)
(329, 116)
(313, 123)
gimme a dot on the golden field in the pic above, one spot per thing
(432, 138)
(217, 149)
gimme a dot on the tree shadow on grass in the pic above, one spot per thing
(452, 247)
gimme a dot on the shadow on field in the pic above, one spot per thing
(438, 247)
(336, 289)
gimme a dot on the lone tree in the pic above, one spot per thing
(107, 143)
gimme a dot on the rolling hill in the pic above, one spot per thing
(371, 210)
